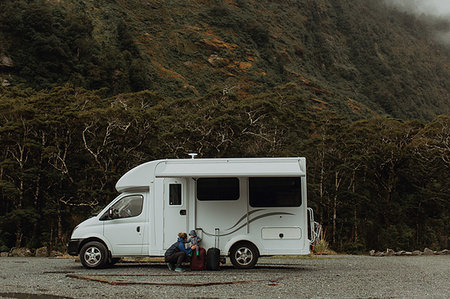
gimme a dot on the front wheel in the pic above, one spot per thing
(244, 255)
(94, 255)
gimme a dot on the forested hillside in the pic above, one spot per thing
(91, 89)
(350, 54)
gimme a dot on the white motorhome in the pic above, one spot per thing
(251, 207)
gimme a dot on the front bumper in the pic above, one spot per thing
(73, 247)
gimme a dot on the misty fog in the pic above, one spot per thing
(429, 9)
(439, 8)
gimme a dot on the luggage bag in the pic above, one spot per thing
(198, 262)
(213, 254)
(212, 259)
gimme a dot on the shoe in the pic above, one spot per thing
(180, 270)
(170, 266)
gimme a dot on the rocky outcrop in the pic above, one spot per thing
(428, 251)
(42, 252)
(25, 252)
(444, 252)
(20, 252)
(216, 60)
(55, 253)
(390, 252)
(5, 62)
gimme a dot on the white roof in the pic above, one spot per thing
(140, 176)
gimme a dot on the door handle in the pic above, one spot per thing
(138, 229)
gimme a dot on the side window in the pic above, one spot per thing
(129, 206)
(275, 192)
(218, 189)
(175, 194)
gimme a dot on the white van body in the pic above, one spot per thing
(224, 200)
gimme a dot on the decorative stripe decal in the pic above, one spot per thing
(250, 221)
(245, 216)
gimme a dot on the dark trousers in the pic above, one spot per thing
(177, 258)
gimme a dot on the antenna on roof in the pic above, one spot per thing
(192, 155)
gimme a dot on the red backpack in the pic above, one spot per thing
(198, 261)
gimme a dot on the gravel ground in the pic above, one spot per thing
(316, 277)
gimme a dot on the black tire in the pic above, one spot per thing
(244, 255)
(94, 255)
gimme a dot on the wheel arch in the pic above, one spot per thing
(239, 240)
(92, 239)
(244, 242)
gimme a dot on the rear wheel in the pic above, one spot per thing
(93, 255)
(244, 255)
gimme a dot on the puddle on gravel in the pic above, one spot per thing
(31, 296)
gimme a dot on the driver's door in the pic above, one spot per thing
(124, 225)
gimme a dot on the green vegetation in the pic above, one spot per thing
(53, 44)
(381, 59)
(374, 183)
(98, 87)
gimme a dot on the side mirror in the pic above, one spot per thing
(110, 214)
(107, 215)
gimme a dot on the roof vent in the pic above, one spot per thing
(193, 155)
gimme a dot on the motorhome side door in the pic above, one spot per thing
(175, 210)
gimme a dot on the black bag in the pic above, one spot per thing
(213, 255)
(212, 259)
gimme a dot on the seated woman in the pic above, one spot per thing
(177, 253)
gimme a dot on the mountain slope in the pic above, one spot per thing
(357, 57)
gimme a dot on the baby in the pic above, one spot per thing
(194, 240)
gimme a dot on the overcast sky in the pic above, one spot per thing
(433, 7)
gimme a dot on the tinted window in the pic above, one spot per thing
(218, 189)
(175, 194)
(129, 206)
(275, 192)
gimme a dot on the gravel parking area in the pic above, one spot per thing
(313, 277)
